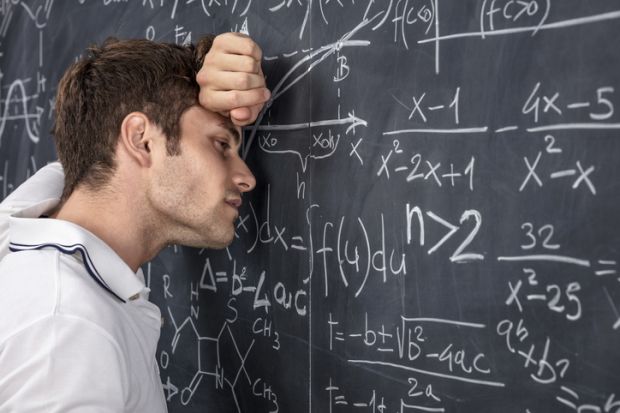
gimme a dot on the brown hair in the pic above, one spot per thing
(112, 80)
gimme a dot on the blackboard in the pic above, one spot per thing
(435, 225)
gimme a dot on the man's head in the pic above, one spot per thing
(129, 112)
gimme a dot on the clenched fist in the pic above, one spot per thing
(231, 79)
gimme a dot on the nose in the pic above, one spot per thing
(243, 178)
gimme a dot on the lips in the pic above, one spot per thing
(234, 202)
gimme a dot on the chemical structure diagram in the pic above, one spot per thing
(209, 362)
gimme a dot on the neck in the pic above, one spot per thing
(117, 220)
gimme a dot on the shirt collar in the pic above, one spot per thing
(28, 232)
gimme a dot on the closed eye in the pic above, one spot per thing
(222, 145)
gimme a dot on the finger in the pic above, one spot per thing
(238, 43)
(255, 111)
(217, 100)
(232, 63)
(220, 80)
(241, 116)
(245, 116)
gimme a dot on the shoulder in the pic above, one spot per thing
(62, 360)
(41, 283)
(66, 338)
(27, 285)
(54, 352)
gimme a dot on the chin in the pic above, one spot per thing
(205, 243)
(206, 240)
(218, 242)
(220, 245)
(209, 236)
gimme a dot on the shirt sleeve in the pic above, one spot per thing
(47, 183)
(62, 364)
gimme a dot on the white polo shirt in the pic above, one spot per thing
(77, 332)
(46, 185)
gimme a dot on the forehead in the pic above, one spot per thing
(198, 119)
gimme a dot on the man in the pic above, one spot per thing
(150, 157)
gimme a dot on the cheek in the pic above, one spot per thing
(168, 189)
(183, 186)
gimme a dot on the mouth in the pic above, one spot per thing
(234, 202)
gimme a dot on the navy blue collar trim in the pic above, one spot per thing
(70, 249)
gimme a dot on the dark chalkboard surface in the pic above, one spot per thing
(435, 226)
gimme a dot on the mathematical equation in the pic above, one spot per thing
(434, 227)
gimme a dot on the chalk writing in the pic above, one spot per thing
(435, 223)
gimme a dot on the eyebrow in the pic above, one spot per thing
(228, 125)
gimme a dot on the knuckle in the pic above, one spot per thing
(220, 39)
(243, 64)
(264, 95)
(258, 96)
(234, 99)
(245, 46)
(252, 48)
(205, 100)
(207, 59)
(243, 82)
(248, 64)
(201, 77)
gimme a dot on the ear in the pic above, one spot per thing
(134, 139)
